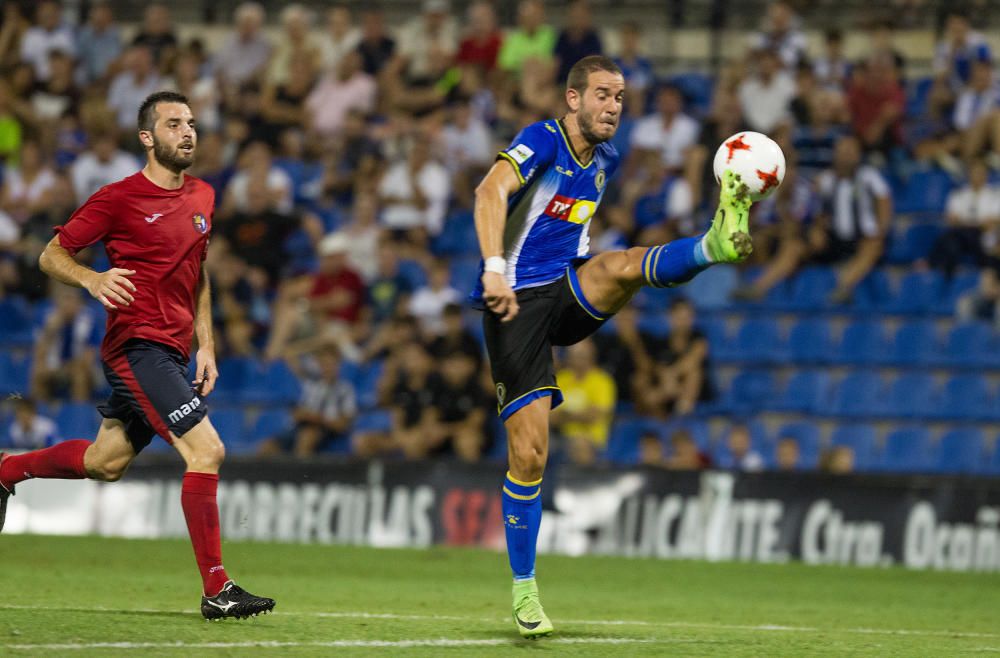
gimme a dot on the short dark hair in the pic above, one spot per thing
(578, 75)
(147, 111)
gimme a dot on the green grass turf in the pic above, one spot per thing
(81, 591)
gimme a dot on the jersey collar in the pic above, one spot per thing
(569, 145)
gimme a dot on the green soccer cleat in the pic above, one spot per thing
(528, 614)
(728, 241)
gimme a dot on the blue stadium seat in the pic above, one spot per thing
(967, 345)
(906, 450)
(911, 395)
(271, 384)
(805, 392)
(809, 341)
(234, 373)
(413, 273)
(270, 423)
(228, 422)
(697, 89)
(16, 322)
(751, 391)
(758, 341)
(960, 284)
(924, 192)
(458, 238)
(78, 420)
(873, 292)
(623, 443)
(811, 287)
(858, 395)
(993, 465)
(967, 398)
(918, 293)
(464, 273)
(366, 386)
(375, 420)
(806, 433)
(917, 92)
(915, 343)
(711, 289)
(913, 244)
(14, 373)
(960, 451)
(861, 439)
(863, 343)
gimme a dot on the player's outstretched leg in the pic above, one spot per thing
(203, 453)
(527, 435)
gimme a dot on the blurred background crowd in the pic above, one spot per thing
(344, 144)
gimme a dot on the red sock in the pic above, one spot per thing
(202, 514)
(62, 461)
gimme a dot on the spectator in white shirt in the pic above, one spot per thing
(30, 430)
(337, 93)
(103, 164)
(782, 34)
(46, 35)
(669, 132)
(245, 54)
(296, 45)
(766, 96)
(131, 87)
(431, 34)
(972, 211)
(340, 38)
(27, 188)
(255, 164)
(429, 301)
(414, 193)
(466, 140)
(976, 116)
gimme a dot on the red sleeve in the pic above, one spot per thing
(89, 224)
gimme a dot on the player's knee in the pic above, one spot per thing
(109, 470)
(528, 454)
(623, 267)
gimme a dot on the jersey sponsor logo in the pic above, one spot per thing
(565, 172)
(184, 410)
(576, 211)
(200, 223)
(520, 153)
(156, 216)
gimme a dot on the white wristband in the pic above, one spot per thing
(495, 264)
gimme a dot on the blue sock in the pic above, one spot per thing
(522, 517)
(674, 263)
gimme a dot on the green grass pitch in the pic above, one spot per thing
(107, 597)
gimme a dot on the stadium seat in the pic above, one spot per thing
(873, 292)
(270, 423)
(458, 238)
(912, 244)
(413, 273)
(623, 443)
(16, 322)
(861, 439)
(14, 373)
(911, 395)
(993, 464)
(805, 392)
(228, 422)
(806, 433)
(271, 384)
(917, 92)
(915, 343)
(966, 398)
(863, 343)
(906, 450)
(464, 273)
(711, 289)
(366, 385)
(811, 288)
(960, 284)
(917, 293)
(809, 341)
(758, 341)
(78, 420)
(924, 192)
(697, 89)
(234, 373)
(960, 451)
(751, 390)
(858, 395)
(967, 345)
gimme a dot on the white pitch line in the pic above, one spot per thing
(767, 628)
(398, 644)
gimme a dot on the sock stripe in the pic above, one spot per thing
(645, 265)
(656, 263)
(519, 496)
(523, 484)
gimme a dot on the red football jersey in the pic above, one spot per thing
(162, 235)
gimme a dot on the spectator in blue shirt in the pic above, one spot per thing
(100, 44)
(66, 348)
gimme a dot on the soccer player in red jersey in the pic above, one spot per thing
(155, 226)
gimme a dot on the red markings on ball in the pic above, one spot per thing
(736, 145)
(768, 179)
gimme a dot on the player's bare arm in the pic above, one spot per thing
(110, 288)
(206, 370)
(491, 217)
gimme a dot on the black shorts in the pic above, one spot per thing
(521, 350)
(151, 393)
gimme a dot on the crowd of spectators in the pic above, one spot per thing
(344, 153)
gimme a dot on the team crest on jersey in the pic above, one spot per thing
(501, 393)
(200, 223)
(599, 180)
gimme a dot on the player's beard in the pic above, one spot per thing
(172, 159)
(586, 123)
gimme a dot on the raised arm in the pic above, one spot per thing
(109, 288)
(491, 218)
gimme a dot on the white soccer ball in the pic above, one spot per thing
(756, 158)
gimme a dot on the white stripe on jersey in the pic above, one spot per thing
(540, 199)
